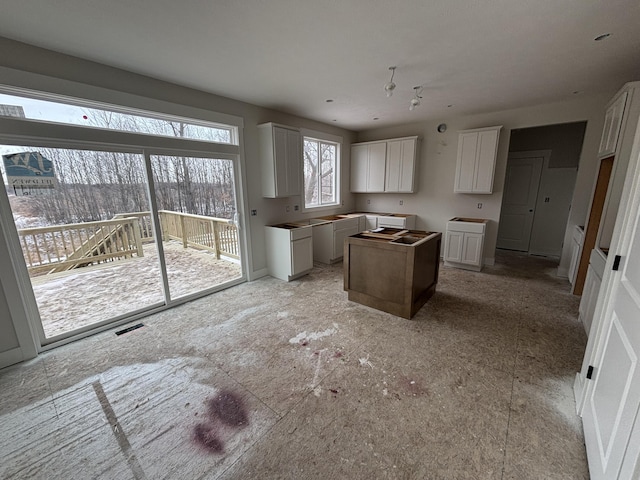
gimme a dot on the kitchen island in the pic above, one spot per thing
(392, 270)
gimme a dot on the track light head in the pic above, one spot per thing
(389, 87)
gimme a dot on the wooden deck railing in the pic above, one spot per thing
(63, 247)
(217, 235)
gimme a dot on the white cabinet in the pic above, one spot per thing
(289, 251)
(397, 221)
(401, 164)
(477, 152)
(328, 238)
(464, 243)
(372, 222)
(368, 167)
(384, 166)
(281, 158)
(612, 124)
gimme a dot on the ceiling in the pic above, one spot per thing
(294, 55)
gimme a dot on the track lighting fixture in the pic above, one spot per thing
(390, 86)
(415, 101)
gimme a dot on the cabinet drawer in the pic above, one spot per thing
(470, 227)
(393, 222)
(302, 232)
(346, 223)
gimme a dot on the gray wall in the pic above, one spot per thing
(564, 141)
(557, 182)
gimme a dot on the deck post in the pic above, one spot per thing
(137, 236)
(216, 236)
(184, 231)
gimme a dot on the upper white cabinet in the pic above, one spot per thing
(281, 157)
(384, 166)
(477, 151)
(368, 167)
(612, 124)
(401, 164)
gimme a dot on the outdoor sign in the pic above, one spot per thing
(29, 173)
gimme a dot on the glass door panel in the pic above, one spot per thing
(85, 228)
(197, 211)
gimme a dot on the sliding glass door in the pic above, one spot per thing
(117, 211)
(197, 212)
(86, 235)
(90, 235)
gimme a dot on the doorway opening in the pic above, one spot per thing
(539, 183)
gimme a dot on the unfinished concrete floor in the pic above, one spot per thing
(275, 380)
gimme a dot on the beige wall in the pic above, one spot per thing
(435, 202)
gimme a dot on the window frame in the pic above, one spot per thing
(336, 141)
(232, 127)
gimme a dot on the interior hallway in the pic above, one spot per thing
(274, 380)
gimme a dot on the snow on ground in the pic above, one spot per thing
(85, 296)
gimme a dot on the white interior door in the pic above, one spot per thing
(612, 436)
(519, 202)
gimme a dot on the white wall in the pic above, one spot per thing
(435, 203)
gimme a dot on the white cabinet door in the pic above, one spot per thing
(400, 166)
(467, 147)
(368, 167)
(453, 246)
(377, 161)
(359, 168)
(476, 162)
(281, 158)
(301, 255)
(372, 222)
(293, 160)
(280, 141)
(486, 161)
(612, 124)
(472, 248)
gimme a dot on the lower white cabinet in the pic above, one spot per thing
(464, 243)
(328, 238)
(289, 251)
(397, 221)
(371, 222)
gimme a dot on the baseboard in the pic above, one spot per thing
(563, 272)
(490, 261)
(11, 357)
(256, 274)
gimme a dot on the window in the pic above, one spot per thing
(91, 114)
(320, 173)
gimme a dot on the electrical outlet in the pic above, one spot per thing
(287, 209)
(368, 202)
(254, 213)
(479, 205)
(296, 208)
(401, 202)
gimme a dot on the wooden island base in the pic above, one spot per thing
(394, 270)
